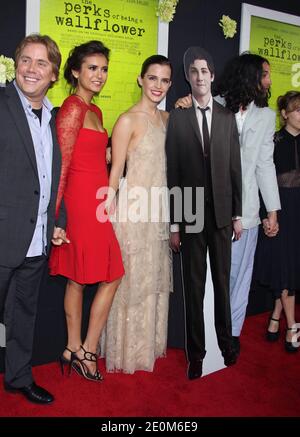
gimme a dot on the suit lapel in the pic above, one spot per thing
(193, 119)
(19, 117)
(215, 123)
(250, 121)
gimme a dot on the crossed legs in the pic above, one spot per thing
(98, 315)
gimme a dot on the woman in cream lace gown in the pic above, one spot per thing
(136, 331)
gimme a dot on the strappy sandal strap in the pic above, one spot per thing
(274, 320)
(69, 350)
(80, 366)
(89, 356)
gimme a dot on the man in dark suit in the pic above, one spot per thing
(203, 150)
(29, 174)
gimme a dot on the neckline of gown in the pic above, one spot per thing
(94, 130)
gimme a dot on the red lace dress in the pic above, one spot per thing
(93, 255)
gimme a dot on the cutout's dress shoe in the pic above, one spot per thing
(195, 369)
(230, 357)
(236, 345)
(32, 393)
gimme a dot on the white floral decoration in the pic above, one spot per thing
(7, 69)
(166, 10)
(228, 25)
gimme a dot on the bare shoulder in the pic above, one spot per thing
(125, 120)
(136, 117)
(136, 113)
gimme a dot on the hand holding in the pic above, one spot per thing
(184, 102)
(270, 230)
(108, 155)
(237, 229)
(59, 237)
(175, 241)
(271, 225)
(110, 206)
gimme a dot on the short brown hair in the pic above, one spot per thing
(289, 102)
(54, 55)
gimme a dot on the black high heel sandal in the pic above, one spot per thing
(65, 362)
(273, 336)
(289, 345)
(81, 368)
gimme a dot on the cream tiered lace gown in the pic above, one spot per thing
(136, 330)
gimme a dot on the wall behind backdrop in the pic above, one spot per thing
(195, 23)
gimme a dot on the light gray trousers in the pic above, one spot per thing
(242, 259)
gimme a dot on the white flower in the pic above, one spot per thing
(2, 73)
(228, 25)
(7, 69)
(166, 10)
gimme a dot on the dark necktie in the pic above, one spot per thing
(205, 133)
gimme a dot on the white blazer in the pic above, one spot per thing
(258, 170)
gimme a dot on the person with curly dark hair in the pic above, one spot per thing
(245, 79)
(243, 87)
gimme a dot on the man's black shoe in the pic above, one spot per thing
(230, 357)
(195, 369)
(236, 345)
(32, 392)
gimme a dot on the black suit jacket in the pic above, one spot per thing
(185, 161)
(19, 182)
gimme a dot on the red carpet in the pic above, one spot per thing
(264, 382)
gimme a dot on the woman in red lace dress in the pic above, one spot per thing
(93, 254)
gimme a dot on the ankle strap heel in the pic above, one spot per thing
(81, 368)
(273, 336)
(63, 361)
